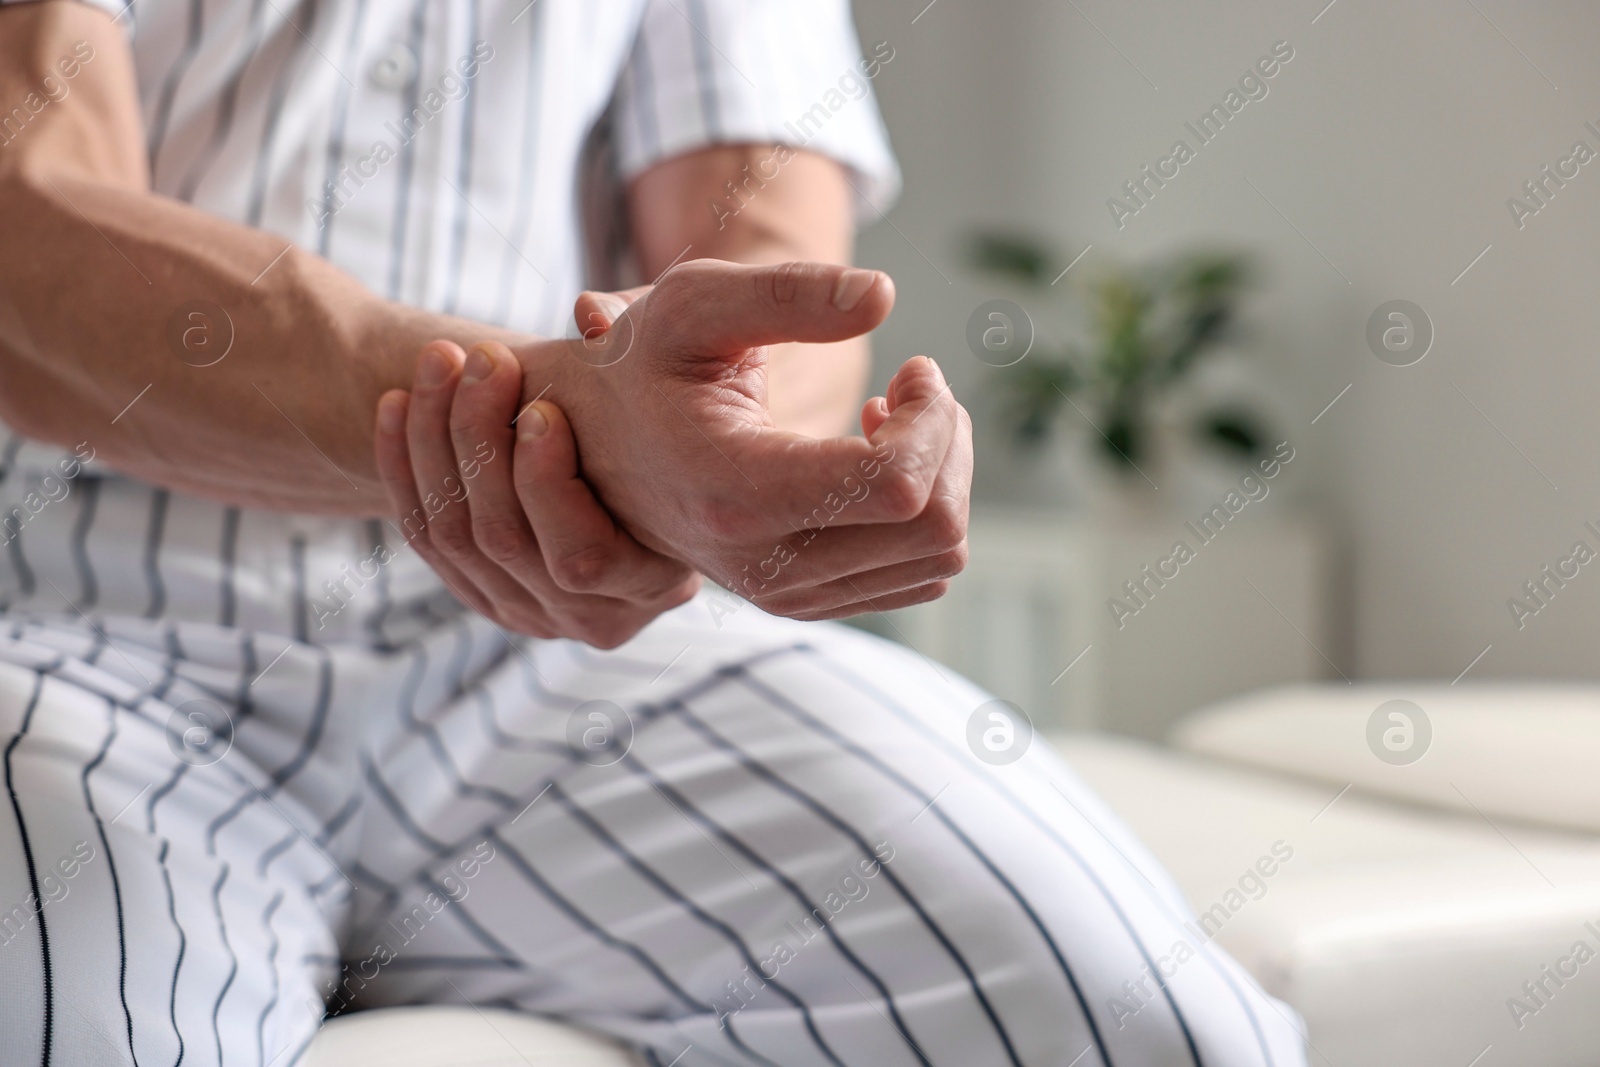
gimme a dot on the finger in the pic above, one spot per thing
(432, 454)
(923, 419)
(801, 564)
(444, 493)
(594, 312)
(606, 622)
(868, 585)
(725, 308)
(873, 414)
(481, 418)
(892, 602)
(602, 628)
(481, 414)
(844, 481)
(394, 469)
(825, 549)
(584, 549)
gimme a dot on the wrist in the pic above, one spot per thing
(549, 372)
(392, 335)
(383, 339)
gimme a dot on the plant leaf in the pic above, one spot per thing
(1016, 257)
(1234, 430)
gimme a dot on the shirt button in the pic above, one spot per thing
(395, 69)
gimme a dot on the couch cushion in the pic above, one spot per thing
(1508, 751)
(1399, 933)
(458, 1037)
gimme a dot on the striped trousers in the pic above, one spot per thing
(735, 840)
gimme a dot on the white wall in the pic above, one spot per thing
(1391, 141)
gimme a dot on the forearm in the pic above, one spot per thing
(97, 339)
(105, 313)
(715, 202)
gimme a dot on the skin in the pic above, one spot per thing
(805, 213)
(688, 432)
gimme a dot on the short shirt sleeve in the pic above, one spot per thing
(785, 72)
(114, 8)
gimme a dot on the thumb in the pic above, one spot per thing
(729, 307)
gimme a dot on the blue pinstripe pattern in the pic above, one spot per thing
(45, 962)
(1056, 837)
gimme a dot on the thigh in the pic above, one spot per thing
(789, 853)
(131, 928)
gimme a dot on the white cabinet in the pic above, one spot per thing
(1032, 618)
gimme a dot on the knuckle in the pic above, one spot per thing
(611, 638)
(946, 525)
(605, 631)
(583, 570)
(450, 537)
(781, 284)
(679, 281)
(949, 564)
(500, 538)
(904, 494)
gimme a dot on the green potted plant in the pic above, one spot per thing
(1146, 329)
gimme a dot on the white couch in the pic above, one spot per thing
(1417, 901)
(1420, 900)
(458, 1037)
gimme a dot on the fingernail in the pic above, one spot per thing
(391, 413)
(938, 375)
(851, 287)
(436, 368)
(479, 366)
(532, 424)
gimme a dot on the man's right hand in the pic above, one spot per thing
(668, 404)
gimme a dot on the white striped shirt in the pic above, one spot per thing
(435, 150)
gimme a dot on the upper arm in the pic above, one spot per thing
(720, 84)
(70, 99)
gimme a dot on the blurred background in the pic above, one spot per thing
(1377, 167)
(1373, 271)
